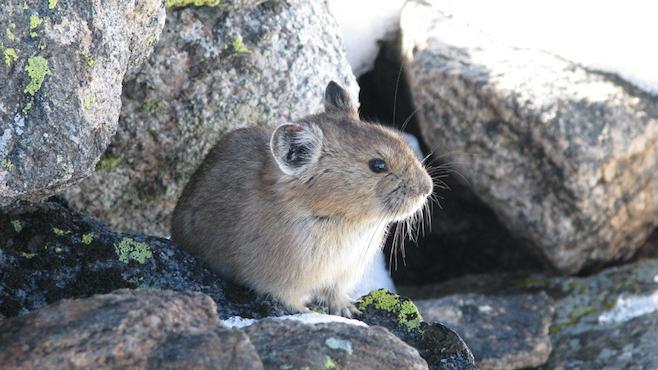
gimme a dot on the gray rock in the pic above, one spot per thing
(566, 157)
(608, 320)
(287, 344)
(126, 329)
(439, 345)
(62, 67)
(504, 332)
(48, 253)
(211, 72)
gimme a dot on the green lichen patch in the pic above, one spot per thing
(9, 33)
(329, 363)
(182, 3)
(52, 4)
(405, 310)
(59, 232)
(151, 106)
(88, 59)
(87, 101)
(109, 162)
(27, 255)
(238, 46)
(35, 21)
(10, 56)
(37, 69)
(87, 238)
(130, 250)
(27, 108)
(17, 225)
(7, 165)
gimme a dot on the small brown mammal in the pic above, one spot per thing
(299, 211)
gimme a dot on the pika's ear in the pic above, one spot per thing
(336, 98)
(296, 146)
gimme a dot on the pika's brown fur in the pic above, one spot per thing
(297, 211)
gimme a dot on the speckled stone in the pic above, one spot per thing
(211, 72)
(504, 332)
(567, 157)
(61, 69)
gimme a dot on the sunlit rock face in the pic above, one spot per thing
(61, 66)
(566, 157)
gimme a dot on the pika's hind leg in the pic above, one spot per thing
(339, 303)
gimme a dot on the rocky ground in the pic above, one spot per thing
(540, 255)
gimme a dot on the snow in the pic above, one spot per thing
(362, 24)
(311, 318)
(627, 308)
(611, 36)
(375, 277)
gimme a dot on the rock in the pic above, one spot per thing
(440, 346)
(126, 329)
(608, 320)
(48, 253)
(504, 332)
(211, 72)
(567, 157)
(287, 344)
(62, 66)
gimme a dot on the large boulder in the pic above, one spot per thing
(212, 71)
(567, 157)
(62, 67)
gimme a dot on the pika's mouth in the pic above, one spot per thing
(404, 208)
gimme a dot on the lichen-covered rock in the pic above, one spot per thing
(288, 344)
(62, 67)
(222, 5)
(504, 332)
(48, 253)
(212, 71)
(606, 321)
(440, 346)
(126, 329)
(567, 157)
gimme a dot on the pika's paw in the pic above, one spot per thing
(293, 309)
(346, 309)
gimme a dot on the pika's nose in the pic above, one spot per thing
(426, 184)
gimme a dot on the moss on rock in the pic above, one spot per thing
(404, 309)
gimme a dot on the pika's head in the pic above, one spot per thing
(342, 167)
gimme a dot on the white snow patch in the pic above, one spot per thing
(655, 279)
(310, 318)
(612, 36)
(313, 318)
(627, 308)
(238, 322)
(375, 277)
(363, 23)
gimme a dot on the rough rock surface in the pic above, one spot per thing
(504, 332)
(211, 72)
(49, 253)
(126, 329)
(62, 64)
(604, 321)
(287, 344)
(567, 157)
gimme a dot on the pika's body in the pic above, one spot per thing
(299, 211)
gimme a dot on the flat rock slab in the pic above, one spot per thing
(567, 157)
(126, 329)
(62, 66)
(504, 332)
(215, 69)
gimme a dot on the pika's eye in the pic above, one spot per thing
(377, 165)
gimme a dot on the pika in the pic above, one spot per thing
(298, 211)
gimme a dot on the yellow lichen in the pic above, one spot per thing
(35, 21)
(37, 69)
(129, 249)
(182, 3)
(10, 56)
(52, 4)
